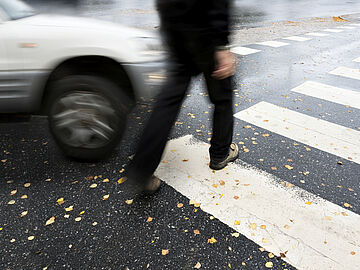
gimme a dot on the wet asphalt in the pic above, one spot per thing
(112, 234)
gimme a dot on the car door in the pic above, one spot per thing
(4, 67)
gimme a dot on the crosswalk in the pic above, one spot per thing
(304, 229)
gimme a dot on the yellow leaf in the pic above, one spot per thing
(179, 205)
(149, 219)
(269, 265)
(271, 255)
(197, 204)
(106, 197)
(236, 234)
(192, 202)
(308, 203)
(237, 222)
(197, 265)
(212, 240)
(1, 228)
(262, 249)
(347, 205)
(27, 185)
(30, 238)
(66, 216)
(286, 226)
(222, 182)
(344, 214)
(236, 197)
(263, 227)
(23, 214)
(82, 212)
(50, 221)
(60, 201)
(328, 218)
(13, 192)
(93, 185)
(253, 226)
(106, 180)
(352, 253)
(70, 208)
(24, 197)
(11, 202)
(12, 240)
(77, 219)
(264, 240)
(129, 201)
(289, 167)
(94, 223)
(122, 180)
(196, 232)
(165, 252)
(214, 185)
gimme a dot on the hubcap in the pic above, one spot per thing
(84, 119)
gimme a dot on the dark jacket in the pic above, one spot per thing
(205, 18)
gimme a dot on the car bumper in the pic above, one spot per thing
(146, 78)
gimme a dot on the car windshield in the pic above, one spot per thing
(16, 9)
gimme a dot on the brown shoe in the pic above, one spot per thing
(153, 185)
(232, 156)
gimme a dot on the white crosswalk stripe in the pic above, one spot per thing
(357, 60)
(274, 44)
(317, 34)
(243, 50)
(346, 27)
(351, 73)
(314, 233)
(332, 138)
(333, 30)
(296, 38)
(329, 93)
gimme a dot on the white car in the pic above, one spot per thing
(83, 73)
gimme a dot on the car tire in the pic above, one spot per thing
(87, 116)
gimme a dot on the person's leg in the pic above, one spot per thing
(154, 137)
(220, 93)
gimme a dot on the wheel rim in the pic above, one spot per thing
(84, 119)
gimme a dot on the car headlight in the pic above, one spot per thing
(150, 46)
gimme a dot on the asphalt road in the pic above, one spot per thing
(101, 230)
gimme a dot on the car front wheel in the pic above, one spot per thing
(87, 115)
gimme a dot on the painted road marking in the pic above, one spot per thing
(357, 60)
(274, 44)
(312, 232)
(333, 30)
(355, 24)
(351, 73)
(329, 93)
(243, 50)
(346, 27)
(296, 38)
(317, 34)
(332, 138)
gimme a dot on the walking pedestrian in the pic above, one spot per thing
(197, 35)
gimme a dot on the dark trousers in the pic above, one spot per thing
(189, 56)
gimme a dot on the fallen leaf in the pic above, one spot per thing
(50, 221)
(236, 197)
(179, 205)
(264, 240)
(236, 234)
(89, 178)
(197, 204)
(308, 203)
(352, 253)
(196, 232)
(66, 216)
(105, 197)
(344, 214)
(253, 226)
(289, 167)
(269, 265)
(30, 238)
(60, 201)
(286, 227)
(271, 255)
(165, 252)
(70, 208)
(24, 197)
(197, 265)
(347, 205)
(149, 219)
(340, 163)
(77, 219)
(94, 223)
(328, 218)
(11, 202)
(93, 185)
(222, 182)
(262, 249)
(23, 214)
(106, 180)
(274, 168)
(237, 222)
(27, 185)
(214, 185)
(121, 180)
(212, 240)
(289, 185)
(263, 227)
(192, 202)
(13, 192)
(82, 212)
(12, 240)
(129, 201)
(185, 160)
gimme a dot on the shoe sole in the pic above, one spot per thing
(219, 167)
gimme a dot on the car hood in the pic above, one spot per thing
(85, 23)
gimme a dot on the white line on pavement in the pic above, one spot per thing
(351, 73)
(317, 34)
(332, 138)
(357, 60)
(355, 24)
(274, 44)
(311, 232)
(346, 27)
(243, 50)
(296, 38)
(330, 93)
(333, 30)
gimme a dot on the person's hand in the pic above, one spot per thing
(225, 65)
